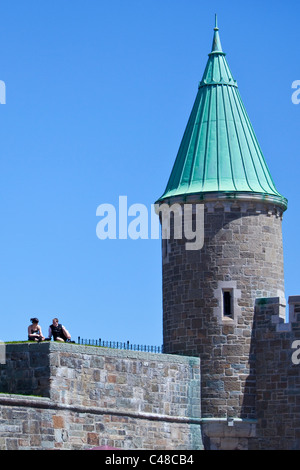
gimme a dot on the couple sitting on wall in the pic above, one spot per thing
(58, 331)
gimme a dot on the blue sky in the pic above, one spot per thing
(98, 94)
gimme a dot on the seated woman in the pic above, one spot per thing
(35, 331)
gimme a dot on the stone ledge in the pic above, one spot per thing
(102, 351)
(28, 401)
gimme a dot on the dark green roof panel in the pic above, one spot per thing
(219, 151)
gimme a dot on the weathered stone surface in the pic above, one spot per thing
(98, 396)
(277, 378)
(242, 252)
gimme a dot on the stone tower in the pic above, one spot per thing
(209, 293)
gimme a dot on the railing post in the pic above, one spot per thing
(120, 345)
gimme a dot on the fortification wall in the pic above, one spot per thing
(60, 396)
(277, 375)
(75, 397)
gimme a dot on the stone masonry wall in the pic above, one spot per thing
(243, 254)
(278, 378)
(96, 396)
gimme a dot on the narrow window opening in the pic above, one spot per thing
(227, 304)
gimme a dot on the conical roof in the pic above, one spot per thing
(219, 152)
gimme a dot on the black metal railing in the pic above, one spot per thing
(120, 345)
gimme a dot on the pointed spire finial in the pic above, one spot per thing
(216, 46)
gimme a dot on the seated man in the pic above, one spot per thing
(58, 331)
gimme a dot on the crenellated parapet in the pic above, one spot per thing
(277, 373)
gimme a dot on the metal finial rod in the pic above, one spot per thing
(216, 23)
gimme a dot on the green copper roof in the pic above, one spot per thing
(219, 151)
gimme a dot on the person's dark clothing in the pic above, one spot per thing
(57, 332)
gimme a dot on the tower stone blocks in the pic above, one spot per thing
(242, 255)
